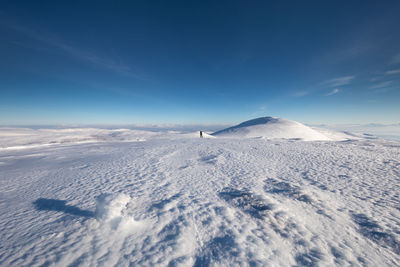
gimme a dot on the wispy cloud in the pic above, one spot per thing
(333, 92)
(381, 85)
(301, 93)
(338, 81)
(396, 59)
(392, 72)
(79, 54)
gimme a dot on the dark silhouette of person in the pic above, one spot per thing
(201, 134)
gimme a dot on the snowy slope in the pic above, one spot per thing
(273, 128)
(22, 138)
(169, 201)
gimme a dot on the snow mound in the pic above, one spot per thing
(272, 128)
(113, 210)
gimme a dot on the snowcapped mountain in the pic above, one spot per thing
(273, 128)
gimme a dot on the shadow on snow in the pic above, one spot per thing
(60, 206)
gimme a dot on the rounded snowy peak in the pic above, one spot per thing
(272, 128)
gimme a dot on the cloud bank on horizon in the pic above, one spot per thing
(208, 63)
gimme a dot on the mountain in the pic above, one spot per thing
(272, 128)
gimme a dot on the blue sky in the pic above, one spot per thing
(191, 62)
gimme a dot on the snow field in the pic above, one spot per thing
(23, 138)
(201, 202)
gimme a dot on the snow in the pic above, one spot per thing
(390, 131)
(277, 128)
(22, 138)
(174, 199)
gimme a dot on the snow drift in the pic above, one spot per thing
(272, 128)
(113, 213)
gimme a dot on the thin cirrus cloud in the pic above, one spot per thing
(392, 72)
(381, 85)
(333, 92)
(79, 54)
(338, 81)
(335, 82)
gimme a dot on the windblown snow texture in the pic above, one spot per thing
(179, 200)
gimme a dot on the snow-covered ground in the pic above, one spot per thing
(92, 197)
(390, 132)
(21, 138)
(278, 128)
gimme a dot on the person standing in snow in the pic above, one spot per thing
(201, 134)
